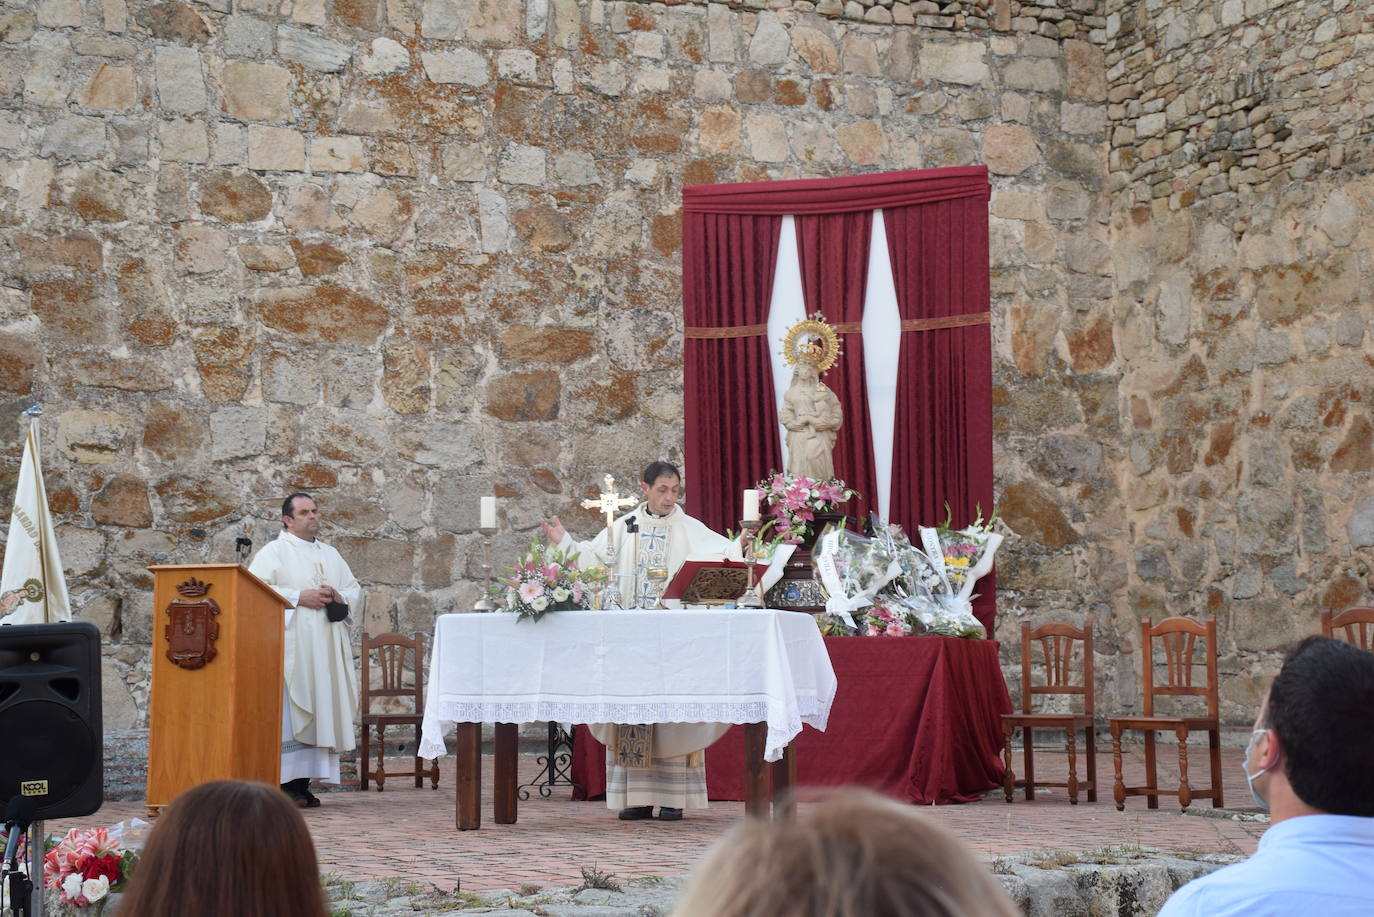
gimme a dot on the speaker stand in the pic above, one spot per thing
(36, 868)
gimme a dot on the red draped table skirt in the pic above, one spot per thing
(914, 718)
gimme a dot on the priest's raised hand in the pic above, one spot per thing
(553, 530)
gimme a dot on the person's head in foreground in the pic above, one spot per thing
(227, 848)
(1312, 749)
(854, 855)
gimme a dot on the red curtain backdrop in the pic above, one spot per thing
(730, 414)
(943, 449)
(937, 237)
(833, 250)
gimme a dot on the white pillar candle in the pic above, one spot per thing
(751, 506)
(488, 512)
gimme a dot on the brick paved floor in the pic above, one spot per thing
(409, 833)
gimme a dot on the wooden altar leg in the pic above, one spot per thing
(785, 784)
(507, 756)
(468, 808)
(756, 803)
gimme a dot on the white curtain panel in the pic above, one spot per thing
(881, 341)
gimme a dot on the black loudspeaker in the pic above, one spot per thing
(51, 735)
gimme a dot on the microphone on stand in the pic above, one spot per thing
(243, 545)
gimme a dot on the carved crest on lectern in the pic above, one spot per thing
(192, 631)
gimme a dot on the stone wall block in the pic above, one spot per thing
(1009, 149)
(378, 560)
(405, 377)
(275, 149)
(327, 313)
(770, 43)
(92, 437)
(123, 501)
(337, 154)
(961, 62)
(111, 88)
(75, 137)
(468, 68)
(237, 432)
(311, 50)
(174, 22)
(182, 141)
(234, 197)
(385, 56)
(180, 82)
(191, 498)
(524, 396)
(256, 92)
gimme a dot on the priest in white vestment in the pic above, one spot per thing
(320, 695)
(661, 765)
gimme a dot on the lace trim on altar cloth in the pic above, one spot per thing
(780, 731)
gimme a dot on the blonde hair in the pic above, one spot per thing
(856, 854)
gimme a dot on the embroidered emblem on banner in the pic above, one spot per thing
(192, 631)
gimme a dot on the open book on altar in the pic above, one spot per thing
(708, 582)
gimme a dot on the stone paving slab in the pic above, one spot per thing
(403, 840)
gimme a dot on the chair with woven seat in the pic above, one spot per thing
(399, 679)
(1356, 626)
(1059, 644)
(1185, 645)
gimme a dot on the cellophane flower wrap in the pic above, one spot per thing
(547, 579)
(928, 592)
(794, 500)
(852, 569)
(84, 867)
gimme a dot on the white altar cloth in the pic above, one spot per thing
(685, 666)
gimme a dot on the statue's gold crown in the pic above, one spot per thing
(812, 340)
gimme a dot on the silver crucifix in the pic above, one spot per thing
(609, 502)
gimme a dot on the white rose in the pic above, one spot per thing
(540, 603)
(95, 889)
(560, 594)
(71, 886)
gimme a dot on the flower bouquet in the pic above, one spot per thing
(954, 560)
(794, 500)
(85, 867)
(852, 569)
(547, 579)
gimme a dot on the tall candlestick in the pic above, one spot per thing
(488, 512)
(751, 506)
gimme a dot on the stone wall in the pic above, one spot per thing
(402, 254)
(1239, 236)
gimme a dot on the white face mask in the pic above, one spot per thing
(1251, 778)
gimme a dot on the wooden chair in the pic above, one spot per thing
(1356, 625)
(398, 672)
(1178, 639)
(1058, 643)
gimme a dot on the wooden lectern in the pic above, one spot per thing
(215, 707)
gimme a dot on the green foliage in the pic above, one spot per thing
(595, 878)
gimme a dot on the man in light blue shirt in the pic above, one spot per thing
(1310, 763)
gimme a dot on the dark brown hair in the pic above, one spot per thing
(226, 849)
(854, 855)
(288, 507)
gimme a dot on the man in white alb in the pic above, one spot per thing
(320, 695)
(660, 765)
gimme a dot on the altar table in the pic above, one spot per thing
(915, 718)
(766, 669)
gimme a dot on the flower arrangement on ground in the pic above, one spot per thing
(86, 866)
(547, 579)
(794, 500)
